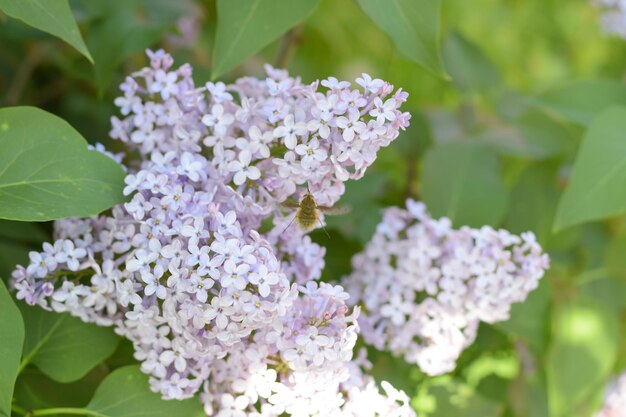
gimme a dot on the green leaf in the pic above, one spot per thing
(445, 396)
(527, 320)
(23, 232)
(533, 202)
(47, 172)
(126, 393)
(544, 135)
(582, 353)
(614, 258)
(604, 287)
(339, 251)
(395, 370)
(63, 347)
(120, 35)
(12, 331)
(414, 27)
(34, 389)
(598, 180)
(581, 101)
(52, 16)
(16, 240)
(365, 212)
(535, 135)
(12, 254)
(470, 68)
(461, 180)
(244, 27)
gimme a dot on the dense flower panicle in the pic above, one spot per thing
(305, 353)
(212, 303)
(424, 286)
(269, 139)
(615, 399)
(173, 270)
(613, 19)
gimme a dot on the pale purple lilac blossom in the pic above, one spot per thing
(424, 287)
(210, 304)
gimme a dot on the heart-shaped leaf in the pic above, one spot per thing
(52, 16)
(63, 347)
(47, 172)
(12, 331)
(244, 27)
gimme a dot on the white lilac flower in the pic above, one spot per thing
(218, 120)
(165, 84)
(372, 85)
(218, 91)
(311, 154)
(425, 286)
(290, 131)
(41, 263)
(242, 168)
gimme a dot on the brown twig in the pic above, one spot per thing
(287, 47)
(34, 56)
(412, 180)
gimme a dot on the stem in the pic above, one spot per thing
(593, 275)
(412, 183)
(19, 410)
(466, 115)
(287, 47)
(64, 410)
(34, 56)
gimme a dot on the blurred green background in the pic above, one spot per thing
(526, 78)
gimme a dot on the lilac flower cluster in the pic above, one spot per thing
(212, 303)
(424, 286)
(614, 399)
(309, 349)
(613, 19)
(267, 138)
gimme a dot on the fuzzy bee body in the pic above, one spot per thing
(308, 212)
(307, 215)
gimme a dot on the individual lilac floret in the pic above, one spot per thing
(613, 19)
(424, 286)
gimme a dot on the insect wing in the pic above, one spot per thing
(335, 210)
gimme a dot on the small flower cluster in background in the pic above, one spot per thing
(613, 19)
(424, 286)
(211, 304)
(614, 399)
